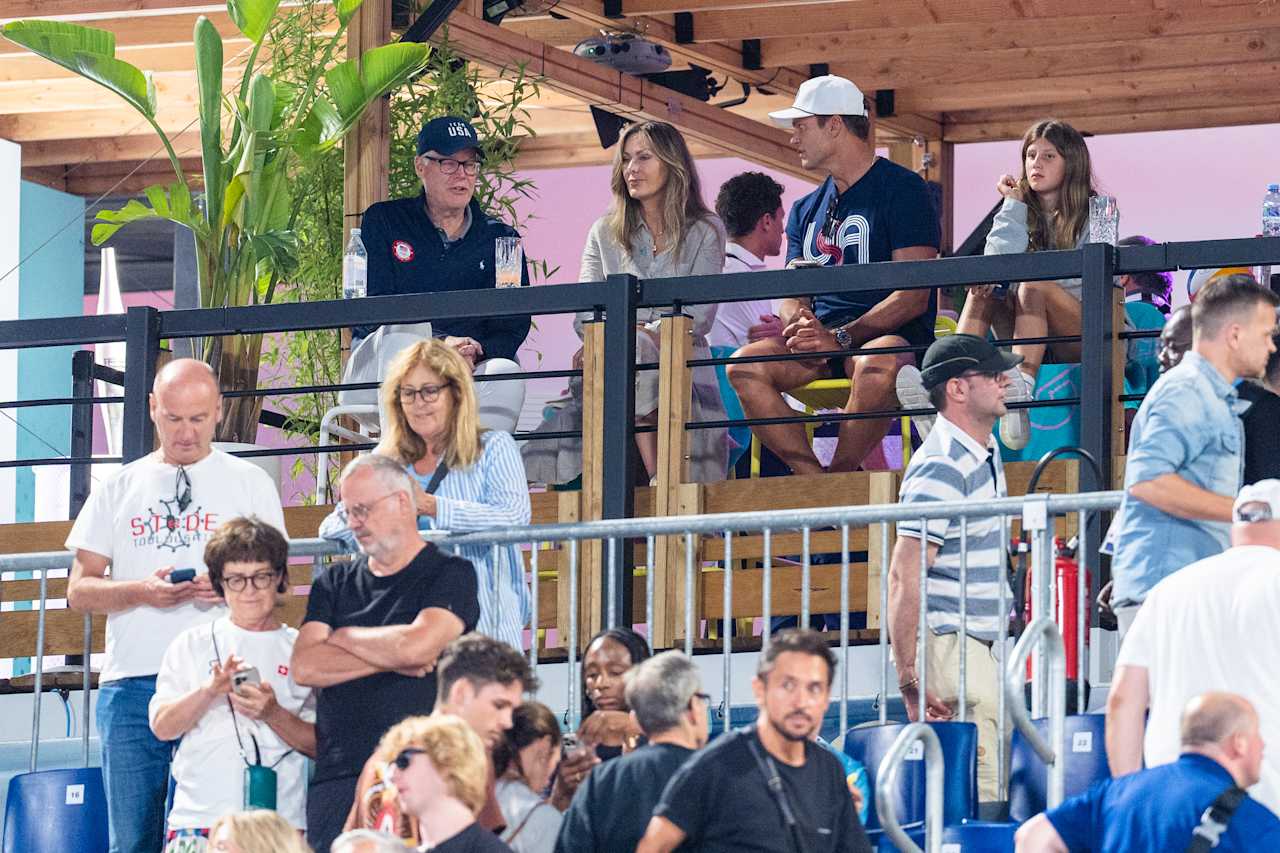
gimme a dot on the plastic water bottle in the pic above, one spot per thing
(355, 268)
(1270, 225)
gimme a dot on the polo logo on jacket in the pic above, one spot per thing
(403, 251)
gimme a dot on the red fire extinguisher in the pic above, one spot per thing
(1065, 612)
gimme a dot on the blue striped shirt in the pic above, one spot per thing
(490, 494)
(952, 466)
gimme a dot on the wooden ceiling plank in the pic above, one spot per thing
(1162, 119)
(119, 121)
(1100, 33)
(162, 29)
(886, 25)
(1259, 98)
(15, 9)
(29, 68)
(59, 152)
(624, 94)
(1222, 79)
(633, 8)
(902, 70)
(75, 94)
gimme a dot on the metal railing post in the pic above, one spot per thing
(619, 446)
(935, 779)
(1035, 520)
(82, 448)
(142, 342)
(39, 683)
(1042, 631)
(1097, 355)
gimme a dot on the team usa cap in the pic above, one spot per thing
(447, 135)
(827, 95)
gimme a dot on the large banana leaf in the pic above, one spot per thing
(345, 9)
(89, 52)
(356, 83)
(253, 17)
(208, 44)
(172, 203)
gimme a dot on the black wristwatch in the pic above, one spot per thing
(842, 337)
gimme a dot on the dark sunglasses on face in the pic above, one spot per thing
(402, 760)
(182, 489)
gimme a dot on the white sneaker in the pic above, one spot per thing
(1015, 427)
(912, 395)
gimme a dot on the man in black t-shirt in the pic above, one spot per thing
(720, 800)
(611, 809)
(373, 631)
(867, 210)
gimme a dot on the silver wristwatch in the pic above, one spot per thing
(842, 337)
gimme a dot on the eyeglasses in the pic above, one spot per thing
(831, 227)
(182, 490)
(260, 580)
(450, 166)
(402, 760)
(428, 393)
(359, 512)
(993, 375)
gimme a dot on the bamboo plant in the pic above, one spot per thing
(252, 133)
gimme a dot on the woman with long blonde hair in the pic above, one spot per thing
(466, 477)
(1044, 209)
(657, 226)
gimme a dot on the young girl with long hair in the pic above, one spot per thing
(1044, 209)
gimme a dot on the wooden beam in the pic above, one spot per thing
(1135, 122)
(633, 8)
(878, 26)
(899, 67)
(78, 95)
(80, 9)
(1225, 80)
(625, 94)
(120, 121)
(112, 149)
(718, 57)
(161, 29)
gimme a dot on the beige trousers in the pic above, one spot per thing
(982, 697)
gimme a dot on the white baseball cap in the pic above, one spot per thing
(1258, 501)
(828, 95)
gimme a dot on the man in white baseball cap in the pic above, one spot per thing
(1210, 627)
(867, 210)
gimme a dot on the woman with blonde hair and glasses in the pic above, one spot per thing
(466, 477)
(657, 226)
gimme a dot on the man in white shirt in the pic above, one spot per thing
(1208, 627)
(153, 518)
(750, 205)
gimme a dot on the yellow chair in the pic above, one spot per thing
(826, 394)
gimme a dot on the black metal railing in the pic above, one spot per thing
(613, 302)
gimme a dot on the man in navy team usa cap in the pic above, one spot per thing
(443, 240)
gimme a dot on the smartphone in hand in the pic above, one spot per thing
(245, 676)
(182, 575)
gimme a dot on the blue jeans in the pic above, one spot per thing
(135, 766)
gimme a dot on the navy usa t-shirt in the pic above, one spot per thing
(888, 208)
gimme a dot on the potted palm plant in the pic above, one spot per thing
(241, 207)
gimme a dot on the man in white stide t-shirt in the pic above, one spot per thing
(1208, 627)
(152, 518)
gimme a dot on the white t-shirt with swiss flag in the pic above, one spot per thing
(136, 520)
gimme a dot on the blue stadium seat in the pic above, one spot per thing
(1086, 763)
(968, 837)
(51, 811)
(960, 753)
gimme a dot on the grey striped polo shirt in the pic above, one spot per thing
(952, 466)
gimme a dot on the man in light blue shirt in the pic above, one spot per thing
(1186, 449)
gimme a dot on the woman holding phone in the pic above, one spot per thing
(226, 690)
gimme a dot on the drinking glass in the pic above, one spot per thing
(508, 261)
(1104, 220)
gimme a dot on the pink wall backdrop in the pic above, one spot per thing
(1179, 185)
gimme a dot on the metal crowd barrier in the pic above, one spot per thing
(935, 779)
(614, 532)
